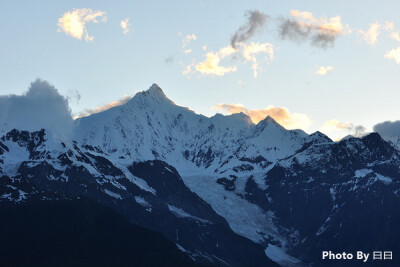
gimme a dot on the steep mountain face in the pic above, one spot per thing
(336, 196)
(221, 188)
(150, 126)
(36, 167)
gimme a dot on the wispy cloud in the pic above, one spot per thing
(125, 25)
(188, 38)
(393, 54)
(338, 129)
(169, 60)
(359, 131)
(185, 42)
(371, 35)
(245, 52)
(250, 51)
(335, 124)
(322, 70)
(73, 96)
(88, 112)
(187, 69)
(74, 22)
(395, 36)
(282, 115)
(241, 83)
(303, 26)
(255, 20)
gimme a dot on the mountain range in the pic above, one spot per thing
(225, 191)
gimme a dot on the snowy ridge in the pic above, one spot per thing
(150, 126)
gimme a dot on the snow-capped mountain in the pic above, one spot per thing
(226, 191)
(150, 126)
(34, 166)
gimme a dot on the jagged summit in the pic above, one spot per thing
(151, 126)
(155, 90)
(242, 116)
(373, 137)
(152, 95)
(233, 118)
(320, 136)
(268, 121)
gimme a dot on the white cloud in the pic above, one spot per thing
(389, 26)
(211, 66)
(394, 54)
(246, 52)
(125, 25)
(333, 26)
(250, 51)
(212, 63)
(335, 124)
(323, 70)
(371, 35)
(74, 22)
(395, 36)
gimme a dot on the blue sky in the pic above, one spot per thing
(358, 89)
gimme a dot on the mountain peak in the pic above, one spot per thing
(152, 95)
(268, 120)
(319, 137)
(155, 90)
(242, 116)
(267, 123)
(236, 120)
(373, 137)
